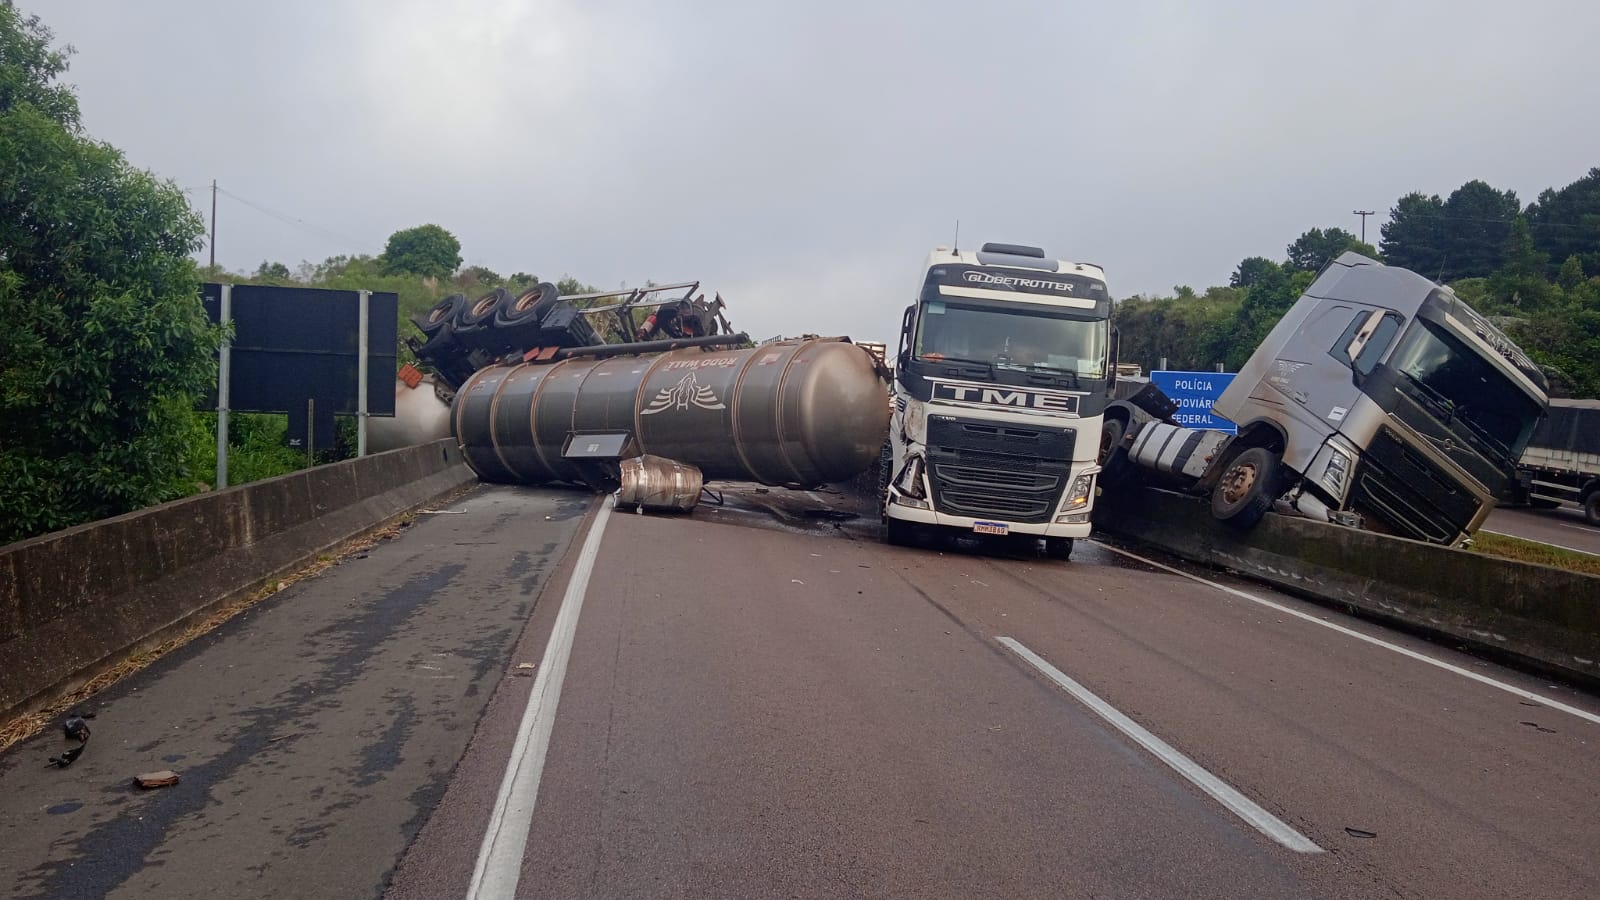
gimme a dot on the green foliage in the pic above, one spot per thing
(1252, 270)
(1316, 248)
(1465, 236)
(426, 250)
(1413, 238)
(29, 67)
(1495, 257)
(1192, 333)
(272, 272)
(105, 346)
(1566, 223)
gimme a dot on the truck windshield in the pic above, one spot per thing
(1017, 339)
(1463, 387)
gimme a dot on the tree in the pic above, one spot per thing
(105, 347)
(1476, 229)
(1571, 274)
(1566, 223)
(274, 270)
(426, 250)
(1252, 270)
(1412, 238)
(1520, 281)
(1316, 248)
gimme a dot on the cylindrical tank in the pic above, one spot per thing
(419, 417)
(807, 412)
(654, 483)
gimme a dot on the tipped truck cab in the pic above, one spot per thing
(1380, 399)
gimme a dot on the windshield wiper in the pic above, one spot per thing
(1434, 396)
(987, 366)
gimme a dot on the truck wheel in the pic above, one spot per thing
(1245, 492)
(1591, 508)
(1116, 468)
(1058, 548)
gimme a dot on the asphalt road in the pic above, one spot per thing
(1562, 527)
(760, 701)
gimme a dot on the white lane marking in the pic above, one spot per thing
(1584, 528)
(500, 858)
(1240, 805)
(1377, 642)
(1546, 543)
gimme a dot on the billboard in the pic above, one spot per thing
(292, 345)
(1195, 392)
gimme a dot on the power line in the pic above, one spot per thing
(352, 243)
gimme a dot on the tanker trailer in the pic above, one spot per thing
(801, 413)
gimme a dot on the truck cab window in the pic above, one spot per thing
(1363, 343)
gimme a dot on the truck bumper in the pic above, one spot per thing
(963, 523)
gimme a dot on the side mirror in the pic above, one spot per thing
(1113, 360)
(905, 335)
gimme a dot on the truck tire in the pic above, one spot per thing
(440, 315)
(481, 311)
(528, 308)
(1115, 467)
(1591, 508)
(893, 531)
(1245, 491)
(1058, 548)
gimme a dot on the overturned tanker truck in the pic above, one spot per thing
(647, 393)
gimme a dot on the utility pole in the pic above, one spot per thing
(1363, 213)
(214, 223)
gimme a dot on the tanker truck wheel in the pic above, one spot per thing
(1591, 508)
(1245, 492)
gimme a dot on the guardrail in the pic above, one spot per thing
(1544, 618)
(77, 601)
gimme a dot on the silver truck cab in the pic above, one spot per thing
(1381, 398)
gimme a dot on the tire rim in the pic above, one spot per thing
(1237, 483)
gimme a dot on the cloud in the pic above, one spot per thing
(803, 158)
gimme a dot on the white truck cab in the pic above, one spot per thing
(1000, 383)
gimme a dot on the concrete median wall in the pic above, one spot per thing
(1540, 616)
(77, 601)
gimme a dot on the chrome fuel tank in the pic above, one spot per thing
(801, 413)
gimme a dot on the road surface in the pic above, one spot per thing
(1562, 527)
(760, 701)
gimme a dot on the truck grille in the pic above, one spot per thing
(998, 471)
(1402, 488)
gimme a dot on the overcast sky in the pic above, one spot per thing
(803, 157)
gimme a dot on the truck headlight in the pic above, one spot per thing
(1078, 496)
(1337, 472)
(910, 481)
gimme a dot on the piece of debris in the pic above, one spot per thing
(1539, 728)
(835, 515)
(76, 729)
(443, 512)
(796, 581)
(1360, 833)
(525, 670)
(161, 779)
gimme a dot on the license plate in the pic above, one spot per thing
(991, 528)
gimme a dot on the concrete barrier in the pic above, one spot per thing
(1541, 617)
(77, 601)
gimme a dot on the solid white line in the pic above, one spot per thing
(1546, 543)
(1377, 642)
(500, 858)
(1584, 528)
(1240, 805)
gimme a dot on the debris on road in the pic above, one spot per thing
(161, 779)
(1360, 833)
(76, 729)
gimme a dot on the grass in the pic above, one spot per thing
(1520, 550)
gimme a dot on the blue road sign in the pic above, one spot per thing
(1195, 392)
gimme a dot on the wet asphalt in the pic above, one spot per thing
(763, 701)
